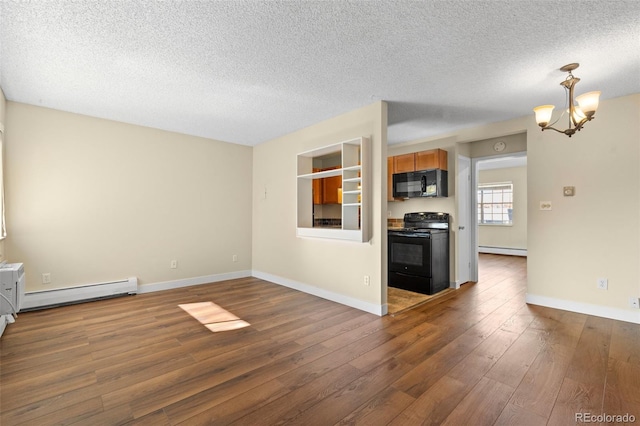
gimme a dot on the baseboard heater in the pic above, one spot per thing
(44, 299)
(502, 250)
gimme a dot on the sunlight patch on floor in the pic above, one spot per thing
(213, 316)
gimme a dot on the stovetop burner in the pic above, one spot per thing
(425, 222)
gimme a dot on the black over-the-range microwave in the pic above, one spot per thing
(425, 183)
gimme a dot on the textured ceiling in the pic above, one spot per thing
(249, 71)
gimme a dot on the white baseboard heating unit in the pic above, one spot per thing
(11, 288)
(65, 296)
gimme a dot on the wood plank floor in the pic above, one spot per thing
(478, 356)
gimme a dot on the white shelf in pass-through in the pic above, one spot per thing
(354, 158)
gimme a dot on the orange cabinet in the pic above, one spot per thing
(432, 159)
(404, 163)
(390, 172)
(325, 190)
(330, 187)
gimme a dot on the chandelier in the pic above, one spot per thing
(578, 114)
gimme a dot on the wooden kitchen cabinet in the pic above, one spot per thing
(432, 159)
(390, 171)
(404, 163)
(317, 189)
(330, 187)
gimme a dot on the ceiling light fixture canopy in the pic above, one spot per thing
(578, 114)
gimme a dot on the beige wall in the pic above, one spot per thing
(596, 233)
(3, 108)
(92, 200)
(515, 235)
(337, 267)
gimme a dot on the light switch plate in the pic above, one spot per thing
(545, 205)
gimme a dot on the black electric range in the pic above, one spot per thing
(419, 253)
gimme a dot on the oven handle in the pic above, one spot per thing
(403, 234)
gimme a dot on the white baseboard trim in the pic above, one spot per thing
(502, 250)
(188, 282)
(59, 296)
(379, 310)
(632, 316)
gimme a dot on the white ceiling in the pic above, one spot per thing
(249, 71)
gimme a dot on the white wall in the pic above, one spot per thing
(91, 200)
(326, 267)
(513, 236)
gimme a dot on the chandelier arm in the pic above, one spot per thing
(581, 123)
(557, 119)
(553, 128)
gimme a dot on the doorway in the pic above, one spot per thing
(473, 236)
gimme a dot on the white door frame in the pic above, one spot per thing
(474, 207)
(464, 190)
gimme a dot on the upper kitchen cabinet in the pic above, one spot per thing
(423, 160)
(352, 176)
(390, 171)
(330, 187)
(404, 163)
(327, 190)
(432, 159)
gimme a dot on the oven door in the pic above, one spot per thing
(410, 253)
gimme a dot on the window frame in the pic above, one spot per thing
(503, 187)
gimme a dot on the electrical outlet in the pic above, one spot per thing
(603, 283)
(46, 278)
(634, 302)
(234, 258)
(367, 280)
(174, 264)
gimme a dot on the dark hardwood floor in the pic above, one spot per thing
(477, 356)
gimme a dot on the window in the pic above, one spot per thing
(495, 203)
